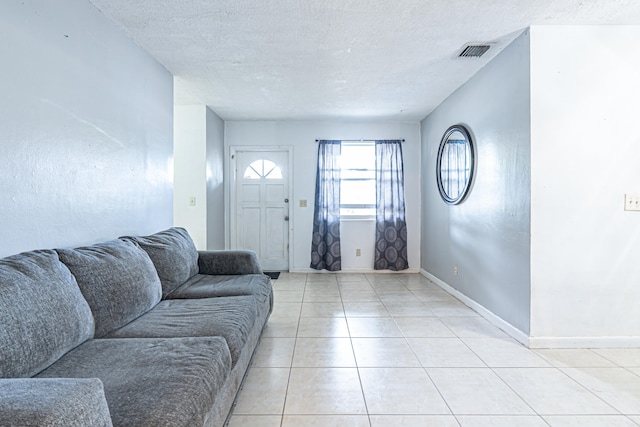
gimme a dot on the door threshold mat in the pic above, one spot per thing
(273, 274)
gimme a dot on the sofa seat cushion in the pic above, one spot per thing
(53, 402)
(207, 286)
(118, 280)
(173, 253)
(152, 382)
(43, 314)
(229, 317)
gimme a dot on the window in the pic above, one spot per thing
(262, 169)
(358, 180)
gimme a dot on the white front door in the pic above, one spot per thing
(262, 206)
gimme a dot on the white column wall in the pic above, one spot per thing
(199, 175)
(585, 249)
(190, 183)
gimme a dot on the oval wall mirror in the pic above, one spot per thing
(456, 162)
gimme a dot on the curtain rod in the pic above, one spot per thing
(364, 139)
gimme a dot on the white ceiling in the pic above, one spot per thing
(334, 59)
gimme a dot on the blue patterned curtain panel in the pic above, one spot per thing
(325, 242)
(391, 226)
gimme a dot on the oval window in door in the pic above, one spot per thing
(263, 169)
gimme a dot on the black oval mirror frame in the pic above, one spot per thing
(455, 164)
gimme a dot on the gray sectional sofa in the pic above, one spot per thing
(138, 331)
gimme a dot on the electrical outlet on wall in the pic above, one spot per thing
(455, 270)
(358, 252)
(632, 202)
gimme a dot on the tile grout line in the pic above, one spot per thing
(355, 360)
(425, 369)
(591, 392)
(293, 353)
(379, 287)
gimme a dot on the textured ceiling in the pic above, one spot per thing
(334, 59)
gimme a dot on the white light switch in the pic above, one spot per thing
(303, 203)
(192, 201)
(632, 202)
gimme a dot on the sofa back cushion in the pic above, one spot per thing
(42, 313)
(174, 255)
(118, 280)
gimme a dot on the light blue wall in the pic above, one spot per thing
(215, 181)
(86, 122)
(488, 235)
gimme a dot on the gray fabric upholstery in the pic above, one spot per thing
(53, 402)
(117, 279)
(226, 395)
(228, 317)
(173, 254)
(207, 286)
(152, 382)
(42, 313)
(228, 262)
(177, 362)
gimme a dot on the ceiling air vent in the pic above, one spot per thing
(473, 50)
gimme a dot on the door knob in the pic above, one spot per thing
(286, 218)
(286, 200)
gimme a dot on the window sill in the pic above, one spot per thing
(357, 218)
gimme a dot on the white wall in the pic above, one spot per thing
(190, 183)
(301, 136)
(198, 190)
(487, 235)
(585, 249)
(85, 128)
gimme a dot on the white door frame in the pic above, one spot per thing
(231, 164)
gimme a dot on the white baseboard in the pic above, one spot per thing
(584, 342)
(518, 335)
(536, 342)
(498, 322)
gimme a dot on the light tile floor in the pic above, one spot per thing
(378, 350)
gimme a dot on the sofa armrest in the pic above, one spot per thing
(53, 402)
(228, 262)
